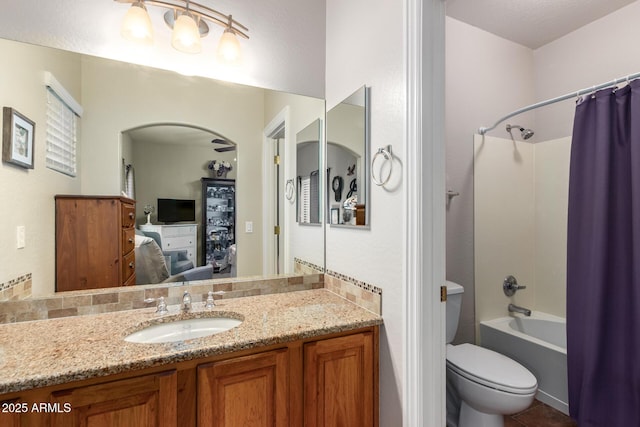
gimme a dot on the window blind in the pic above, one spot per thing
(62, 128)
(305, 200)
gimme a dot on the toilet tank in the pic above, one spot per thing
(454, 303)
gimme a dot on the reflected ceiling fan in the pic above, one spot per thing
(228, 146)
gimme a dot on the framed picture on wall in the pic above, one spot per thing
(335, 215)
(17, 138)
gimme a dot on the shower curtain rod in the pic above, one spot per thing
(579, 93)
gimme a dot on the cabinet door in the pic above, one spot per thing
(339, 382)
(146, 401)
(10, 411)
(250, 391)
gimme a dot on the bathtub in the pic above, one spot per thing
(539, 343)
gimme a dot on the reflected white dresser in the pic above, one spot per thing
(177, 237)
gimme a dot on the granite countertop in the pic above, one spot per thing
(49, 352)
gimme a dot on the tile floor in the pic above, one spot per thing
(539, 415)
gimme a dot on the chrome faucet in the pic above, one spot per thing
(210, 303)
(162, 305)
(186, 301)
(517, 309)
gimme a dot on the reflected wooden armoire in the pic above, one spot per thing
(95, 240)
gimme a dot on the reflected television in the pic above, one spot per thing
(175, 210)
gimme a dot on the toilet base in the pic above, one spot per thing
(470, 417)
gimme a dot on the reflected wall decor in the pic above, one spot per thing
(17, 138)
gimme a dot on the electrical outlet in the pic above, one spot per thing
(248, 226)
(20, 236)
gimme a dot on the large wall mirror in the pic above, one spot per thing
(348, 161)
(169, 129)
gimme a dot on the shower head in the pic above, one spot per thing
(525, 133)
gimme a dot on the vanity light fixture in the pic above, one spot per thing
(189, 21)
(136, 25)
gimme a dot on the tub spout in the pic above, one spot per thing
(517, 309)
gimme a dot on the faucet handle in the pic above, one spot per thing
(210, 301)
(162, 304)
(510, 286)
(186, 301)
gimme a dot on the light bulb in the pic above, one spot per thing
(186, 36)
(229, 47)
(136, 25)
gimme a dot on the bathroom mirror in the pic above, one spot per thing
(307, 184)
(348, 161)
(120, 97)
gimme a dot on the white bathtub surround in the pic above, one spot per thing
(521, 196)
(539, 343)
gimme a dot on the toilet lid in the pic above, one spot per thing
(491, 369)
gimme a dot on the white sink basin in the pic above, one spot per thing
(181, 330)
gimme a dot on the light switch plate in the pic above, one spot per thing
(20, 236)
(248, 226)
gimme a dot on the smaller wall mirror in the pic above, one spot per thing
(308, 174)
(348, 161)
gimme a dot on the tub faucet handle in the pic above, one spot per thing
(510, 286)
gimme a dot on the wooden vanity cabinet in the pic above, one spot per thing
(315, 383)
(145, 401)
(250, 391)
(323, 381)
(10, 412)
(95, 239)
(340, 387)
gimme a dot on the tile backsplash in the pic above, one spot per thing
(17, 307)
(364, 294)
(16, 289)
(77, 303)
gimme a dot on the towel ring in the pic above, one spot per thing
(290, 190)
(386, 153)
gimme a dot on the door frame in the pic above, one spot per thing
(281, 121)
(424, 319)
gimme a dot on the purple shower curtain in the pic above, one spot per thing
(603, 260)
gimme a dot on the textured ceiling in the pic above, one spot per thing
(532, 23)
(286, 49)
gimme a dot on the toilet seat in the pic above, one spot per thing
(490, 369)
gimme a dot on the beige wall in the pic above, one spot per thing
(486, 77)
(123, 96)
(594, 54)
(364, 47)
(27, 195)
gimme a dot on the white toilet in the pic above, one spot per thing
(482, 385)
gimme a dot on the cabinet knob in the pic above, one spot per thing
(131, 265)
(130, 240)
(131, 215)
